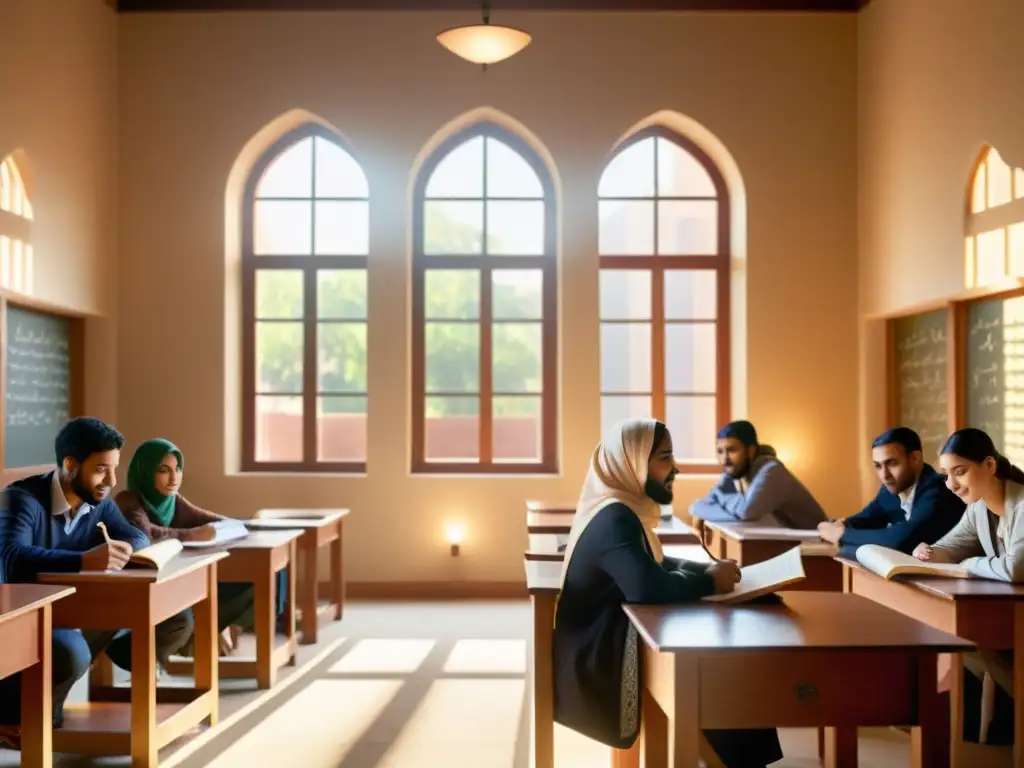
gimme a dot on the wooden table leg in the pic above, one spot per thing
(840, 747)
(289, 603)
(266, 627)
(956, 708)
(338, 573)
(143, 696)
(543, 683)
(205, 647)
(929, 739)
(627, 758)
(653, 732)
(37, 699)
(684, 727)
(1018, 683)
(308, 587)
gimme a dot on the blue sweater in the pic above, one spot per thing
(935, 511)
(33, 541)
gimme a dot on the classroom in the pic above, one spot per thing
(236, 231)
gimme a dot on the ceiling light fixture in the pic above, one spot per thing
(484, 43)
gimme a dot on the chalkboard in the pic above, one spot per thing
(37, 388)
(995, 364)
(920, 358)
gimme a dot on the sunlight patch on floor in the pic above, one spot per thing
(316, 728)
(461, 724)
(384, 656)
(487, 656)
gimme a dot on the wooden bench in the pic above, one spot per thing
(257, 559)
(139, 720)
(320, 528)
(26, 621)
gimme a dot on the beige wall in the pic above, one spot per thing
(779, 91)
(938, 79)
(58, 103)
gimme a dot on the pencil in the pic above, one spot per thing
(103, 527)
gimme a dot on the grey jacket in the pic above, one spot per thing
(774, 496)
(975, 545)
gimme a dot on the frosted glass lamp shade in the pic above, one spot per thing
(484, 43)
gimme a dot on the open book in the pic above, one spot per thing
(889, 563)
(228, 529)
(155, 555)
(765, 578)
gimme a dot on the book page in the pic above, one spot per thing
(765, 577)
(888, 563)
(225, 530)
(156, 555)
(771, 532)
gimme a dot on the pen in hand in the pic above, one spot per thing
(698, 528)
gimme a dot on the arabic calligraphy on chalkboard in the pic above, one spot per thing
(38, 385)
(922, 376)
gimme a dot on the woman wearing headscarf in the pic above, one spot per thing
(614, 557)
(153, 504)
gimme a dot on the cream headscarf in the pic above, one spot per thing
(618, 472)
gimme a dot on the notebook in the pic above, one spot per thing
(765, 578)
(889, 563)
(228, 529)
(155, 556)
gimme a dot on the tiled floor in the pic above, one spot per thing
(418, 685)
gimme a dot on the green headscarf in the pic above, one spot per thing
(142, 471)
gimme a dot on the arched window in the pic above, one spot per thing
(994, 241)
(484, 331)
(663, 240)
(305, 247)
(15, 229)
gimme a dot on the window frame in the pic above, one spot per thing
(309, 265)
(658, 265)
(485, 264)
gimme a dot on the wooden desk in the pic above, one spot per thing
(320, 528)
(138, 600)
(26, 620)
(989, 613)
(820, 659)
(257, 559)
(749, 543)
(671, 531)
(543, 581)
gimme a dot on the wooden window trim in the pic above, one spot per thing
(309, 266)
(720, 262)
(547, 263)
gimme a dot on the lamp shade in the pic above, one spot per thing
(484, 43)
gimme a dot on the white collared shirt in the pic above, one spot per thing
(59, 506)
(907, 500)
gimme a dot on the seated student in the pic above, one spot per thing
(989, 542)
(48, 523)
(613, 557)
(153, 504)
(989, 539)
(755, 486)
(913, 506)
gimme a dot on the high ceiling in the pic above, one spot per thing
(129, 6)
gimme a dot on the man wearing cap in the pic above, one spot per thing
(756, 486)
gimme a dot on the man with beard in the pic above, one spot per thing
(755, 485)
(48, 524)
(913, 506)
(614, 558)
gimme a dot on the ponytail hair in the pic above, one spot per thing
(975, 445)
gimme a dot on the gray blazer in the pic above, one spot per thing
(972, 542)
